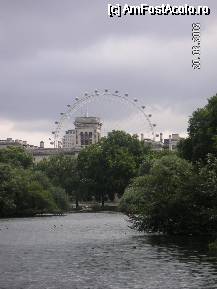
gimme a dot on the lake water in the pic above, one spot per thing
(98, 251)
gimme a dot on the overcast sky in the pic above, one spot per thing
(52, 51)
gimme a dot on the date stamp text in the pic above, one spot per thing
(196, 45)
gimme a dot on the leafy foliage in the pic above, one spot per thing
(202, 131)
(106, 168)
(24, 192)
(173, 198)
(62, 171)
(149, 158)
(132, 200)
(16, 156)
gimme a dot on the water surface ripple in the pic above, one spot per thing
(98, 251)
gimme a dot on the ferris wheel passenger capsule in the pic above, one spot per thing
(116, 91)
(76, 98)
(126, 94)
(62, 113)
(154, 124)
(96, 91)
(53, 132)
(135, 100)
(143, 107)
(150, 115)
(86, 94)
(68, 105)
(106, 90)
(56, 122)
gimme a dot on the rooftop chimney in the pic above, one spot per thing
(41, 144)
(161, 137)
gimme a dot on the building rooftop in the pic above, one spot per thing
(87, 120)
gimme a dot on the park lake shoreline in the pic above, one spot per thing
(72, 251)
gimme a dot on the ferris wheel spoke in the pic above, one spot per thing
(87, 98)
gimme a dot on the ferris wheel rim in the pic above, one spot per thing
(89, 97)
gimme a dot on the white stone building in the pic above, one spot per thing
(69, 139)
(9, 142)
(172, 142)
(87, 131)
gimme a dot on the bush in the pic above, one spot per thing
(133, 198)
(213, 247)
(16, 156)
(25, 192)
(174, 199)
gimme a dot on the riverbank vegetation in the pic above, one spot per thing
(174, 198)
(25, 191)
(162, 192)
(177, 194)
(101, 171)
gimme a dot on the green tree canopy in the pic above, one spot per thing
(202, 131)
(106, 168)
(16, 156)
(23, 191)
(62, 171)
(173, 198)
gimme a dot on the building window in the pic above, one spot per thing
(86, 138)
(82, 138)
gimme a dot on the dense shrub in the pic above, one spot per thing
(23, 191)
(174, 198)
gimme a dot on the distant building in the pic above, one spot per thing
(69, 139)
(171, 142)
(40, 154)
(9, 142)
(161, 144)
(87, 131)
(41, 144)
(4, 143)
(154, 145)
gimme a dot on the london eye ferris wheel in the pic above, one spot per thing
(129, 112)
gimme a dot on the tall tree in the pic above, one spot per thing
(202, 131)
(62, 170)
(174, 198)
(24, 192)
(107, 167)
(16, 156)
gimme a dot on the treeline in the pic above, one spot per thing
(25, 191)
(101, 171)
(161, 192)
(177, 194)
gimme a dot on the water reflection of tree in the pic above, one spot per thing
(185, 249)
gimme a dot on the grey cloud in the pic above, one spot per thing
(53, 51)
